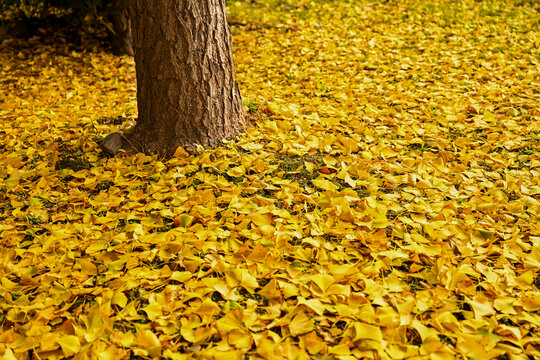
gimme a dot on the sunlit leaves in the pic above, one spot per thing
(384, 204)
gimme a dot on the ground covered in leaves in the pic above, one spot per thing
(385, 205)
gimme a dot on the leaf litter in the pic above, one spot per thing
(384, 205)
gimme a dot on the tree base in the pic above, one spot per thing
(132, 145)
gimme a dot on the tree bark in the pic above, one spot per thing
(187, 92)
(121, 39)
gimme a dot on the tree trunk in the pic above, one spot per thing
(187, 92)
(121, 40)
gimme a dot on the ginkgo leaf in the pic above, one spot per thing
(481, 307)
(119, 299)
(148, 341)
(313, 304)
(153, 311)
(70, 344)
(185, 220)
(300, 324)
(261, 219)
(322, 281)
(181, 276)
(169, 354)
(324, 185)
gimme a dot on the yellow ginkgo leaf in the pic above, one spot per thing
(324, 185)
(300, 324)
(70, 344)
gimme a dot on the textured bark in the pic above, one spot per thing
(187, 92)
